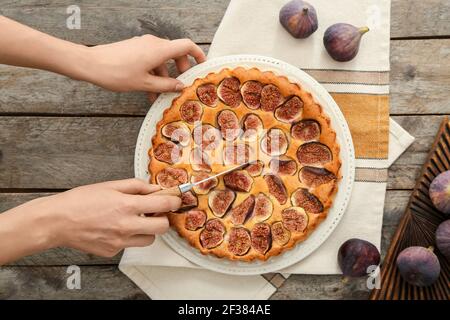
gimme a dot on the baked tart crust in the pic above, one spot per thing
(254, 237)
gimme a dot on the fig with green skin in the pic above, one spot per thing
(443, 238)
(440, 192)
(355, 256)
(299, 18)
(342, 41)
(418, 266)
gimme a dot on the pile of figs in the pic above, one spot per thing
(341, 40)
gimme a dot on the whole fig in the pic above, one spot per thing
(356, 255)
(342, 41)
(299, 18)
(443, 238)
(440, 192)
(418, 266)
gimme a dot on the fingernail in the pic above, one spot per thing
(179, 86)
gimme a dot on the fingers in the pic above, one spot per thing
(132, 186)
(182, 64)
(149, 225)
(184, 47)
(162, 84)
(162, 70)
(139, 240)
(142, 204)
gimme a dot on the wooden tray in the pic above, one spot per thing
(417, 228)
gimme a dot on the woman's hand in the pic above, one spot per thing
(139, 64)
(101, 219)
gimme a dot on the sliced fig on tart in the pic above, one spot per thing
(306, 130)
(251, 94)
(284, 166)
(252, 126)
(295, 219)
(219, 201)
(290, 111)
(207, 137)
(177, 131)
(255, 168)
(239, 180)
(171, 177)
(314, 154)
(199, 160)
(313, 177)
(168, 152)
(261, 237)
(229, 125)
(195, 219)
(204, 187)
(207, 94)
(306, 200)
(280, 235)
(229, 92)
(188, 201)
(271, 98)
(239, 241)
(276, 188)
(241, 212)
(213, 234)
(274, 142)
(263, 208)
(191, 111)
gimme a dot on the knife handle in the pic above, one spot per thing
(175, 191)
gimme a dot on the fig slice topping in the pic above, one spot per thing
(199, 160)
(313, 177)
(261, 237)
(238, 180)
(177, 132)
(274, 142)
(204, 187)
(271, 98)
(241, 212)
(188, 201)
(306, 130)
(207, 137)
(236, 153)
(253, 127)
(229, 125)
(213, 233)
(239, 241)
(280, 234)
(255, 169)
(191, 111)
(195, 219)
(304, 199)
(168, 152)
(276, 188)
(263, 208)
(284, 166)
(295, 219)
(171, 177)
(220, 200)
(251, 94)
(290, 111)
(314, 154)
(207, 94)
(229, 92)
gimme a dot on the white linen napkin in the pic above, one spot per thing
(252, 27)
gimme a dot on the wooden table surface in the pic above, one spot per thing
(56, 133)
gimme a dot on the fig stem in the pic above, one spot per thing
(431, 248)
(363, 30)
(305, 10)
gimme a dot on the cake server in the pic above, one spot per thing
(182, 188)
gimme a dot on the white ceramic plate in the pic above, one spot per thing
(323, 231)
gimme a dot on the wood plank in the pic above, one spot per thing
(104, 22)
(60, 153)
(97, 282)
(394, 207)
(115, 20)
(420, 76)
(419, 84)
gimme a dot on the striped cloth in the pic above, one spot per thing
(360, 88)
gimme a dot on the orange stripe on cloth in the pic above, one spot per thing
(368, 118)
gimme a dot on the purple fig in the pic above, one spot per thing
(356, 255)
(418, 266)
(342, 41)
(443, 238)
(299, 18)
(440, 192)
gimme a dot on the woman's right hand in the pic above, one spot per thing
(104, 218)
